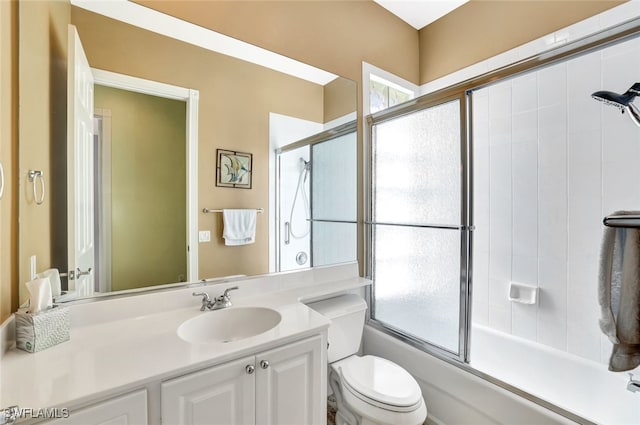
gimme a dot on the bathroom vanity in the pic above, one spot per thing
(283, 385)
(128, 363)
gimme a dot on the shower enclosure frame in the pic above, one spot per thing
(599, 40)
(465, 227)
(324, 136)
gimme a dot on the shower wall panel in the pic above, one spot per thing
(549, 163)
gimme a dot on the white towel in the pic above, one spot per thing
(239, 227)
(619, 295)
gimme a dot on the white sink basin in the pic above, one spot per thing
(228, 325)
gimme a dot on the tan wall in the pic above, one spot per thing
(235, 101)
(148, 188)
(42, 117)
(339, 99)
(481, 29)
(333, 35)
(336, 36)
(8, 156)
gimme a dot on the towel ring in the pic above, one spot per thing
(1, 180)
(35, 175)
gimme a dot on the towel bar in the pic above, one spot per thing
(630, 220)
(208, 210)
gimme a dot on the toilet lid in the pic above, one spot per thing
(381, 380)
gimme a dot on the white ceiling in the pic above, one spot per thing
(419, 13)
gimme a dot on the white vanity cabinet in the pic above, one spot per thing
(282, 386)
(291, 384)
(222, 394)
(128, 409)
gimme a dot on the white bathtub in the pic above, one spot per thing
(580, 386)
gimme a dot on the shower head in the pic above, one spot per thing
(624, 101)
(306, 164)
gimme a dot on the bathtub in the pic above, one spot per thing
(583, 387)
(456, 397)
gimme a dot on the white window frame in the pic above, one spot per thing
(373, 73)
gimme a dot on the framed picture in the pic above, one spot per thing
(233, 169)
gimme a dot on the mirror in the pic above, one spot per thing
(242, 107)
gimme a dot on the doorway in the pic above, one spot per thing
(145, 181)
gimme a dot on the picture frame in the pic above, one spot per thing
(234, 169)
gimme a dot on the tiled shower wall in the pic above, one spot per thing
(549, 164)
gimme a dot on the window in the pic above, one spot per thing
(385, 89)
(383, 94)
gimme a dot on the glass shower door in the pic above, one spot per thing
(334, 189)
(418, 232)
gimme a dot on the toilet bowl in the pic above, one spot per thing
(369, 390)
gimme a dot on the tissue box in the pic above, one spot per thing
(39, 331)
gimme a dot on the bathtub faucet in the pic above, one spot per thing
(633, 385)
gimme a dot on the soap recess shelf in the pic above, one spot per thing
(523, 294)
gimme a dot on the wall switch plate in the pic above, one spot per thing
(204, 236)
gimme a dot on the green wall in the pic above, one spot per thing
(148, 188)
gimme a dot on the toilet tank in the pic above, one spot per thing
(346, 313)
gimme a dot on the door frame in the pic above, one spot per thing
(191, 97)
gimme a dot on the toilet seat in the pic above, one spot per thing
(380, 382)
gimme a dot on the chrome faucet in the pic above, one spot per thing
(223, 301)
(633, 385)
(206, 300)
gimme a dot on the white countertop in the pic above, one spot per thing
(112, 356)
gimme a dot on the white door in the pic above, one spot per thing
(80, 165)
(221, 395)
(291, 387)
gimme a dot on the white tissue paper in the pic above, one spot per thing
(40, 295)
(54, 279)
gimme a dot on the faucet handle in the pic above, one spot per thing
(224, 300)
(226, 291)
(206, 300)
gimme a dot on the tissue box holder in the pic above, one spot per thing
(39, 331)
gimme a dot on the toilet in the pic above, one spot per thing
(369, 390)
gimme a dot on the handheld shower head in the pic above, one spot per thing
(624, 101)
(620, 101)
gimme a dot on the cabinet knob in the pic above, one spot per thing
(249, 369)
(264, 364)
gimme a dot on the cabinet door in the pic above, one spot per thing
(129, 409)
(221, 395)
(291, 387)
